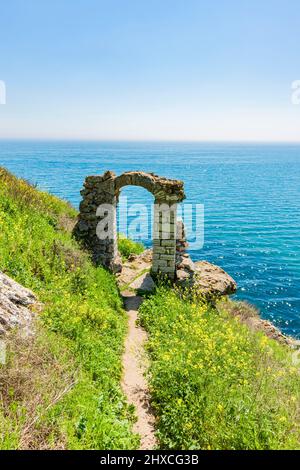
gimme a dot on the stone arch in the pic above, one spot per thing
(99, 203)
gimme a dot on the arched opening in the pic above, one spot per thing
(135, 214)
(97, 223)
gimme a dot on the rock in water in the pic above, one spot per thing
(212, 280)
(15, 301)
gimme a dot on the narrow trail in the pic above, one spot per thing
(135, 363)
(134, 383)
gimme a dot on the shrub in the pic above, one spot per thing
(129, 247)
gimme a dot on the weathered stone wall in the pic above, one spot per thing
(181, 242)
(99, 194)
(185, 267)
(99, 202)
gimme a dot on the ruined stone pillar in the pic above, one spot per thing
(97, 224)
(164, 238)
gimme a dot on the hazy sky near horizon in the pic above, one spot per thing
(150, 69)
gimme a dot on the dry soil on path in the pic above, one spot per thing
(135, 363)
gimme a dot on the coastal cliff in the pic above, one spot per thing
(217, 381)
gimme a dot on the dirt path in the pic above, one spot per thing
(135, 276)
(134, 383)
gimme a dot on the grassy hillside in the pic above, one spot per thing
(214, 383)
(60, 389)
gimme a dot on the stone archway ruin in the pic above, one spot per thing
(99, 201)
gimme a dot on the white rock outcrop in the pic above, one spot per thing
(15, 303)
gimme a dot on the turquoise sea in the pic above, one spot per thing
(251, 195)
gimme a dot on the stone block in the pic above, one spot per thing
(167, 257)
(155, 266)
(169, 243)
(171, 263)
(167, 236)
(162, 263)
(167, 270)
(159, 249)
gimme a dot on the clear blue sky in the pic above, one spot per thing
(150, 69)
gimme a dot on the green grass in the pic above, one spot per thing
(129, 247)
(214, 383)
(77, 403)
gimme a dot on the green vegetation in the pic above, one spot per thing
(129, 247)
(214, 383)
(60, 389)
